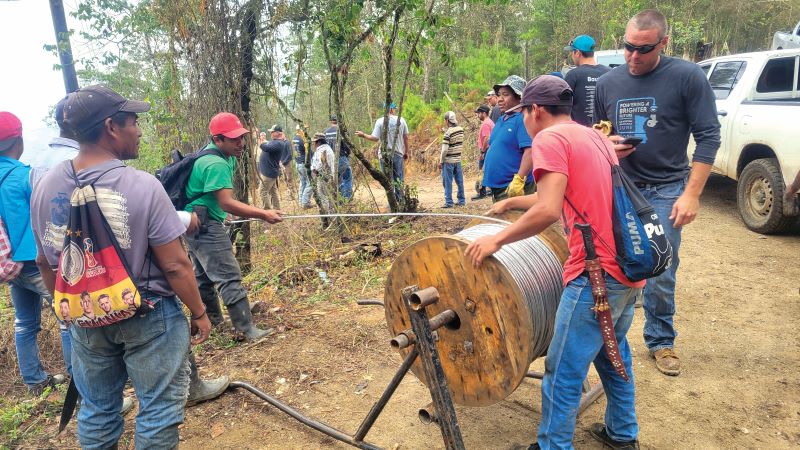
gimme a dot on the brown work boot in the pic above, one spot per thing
(667, 361)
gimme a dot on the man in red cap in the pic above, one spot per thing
(27, 288)
(211, 186)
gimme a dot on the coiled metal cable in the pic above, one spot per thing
(537, 271)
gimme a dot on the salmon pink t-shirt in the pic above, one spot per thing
(582, 155)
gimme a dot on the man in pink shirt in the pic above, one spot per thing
(573, 162)
(483, 145)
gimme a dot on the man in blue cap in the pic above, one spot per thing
(583, 78)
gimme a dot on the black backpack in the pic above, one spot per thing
(175, 176)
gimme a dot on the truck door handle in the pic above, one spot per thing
(722, 113)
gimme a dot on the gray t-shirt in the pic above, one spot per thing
(134, 203)
(398, 146)
(662, 107)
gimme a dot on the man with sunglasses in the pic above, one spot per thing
(583, 78)
(661, 100)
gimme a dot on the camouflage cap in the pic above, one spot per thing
(515, 82)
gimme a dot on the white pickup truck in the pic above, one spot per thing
(786, 39)
(758, 104)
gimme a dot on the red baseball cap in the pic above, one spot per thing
(10, 126)
(228, 125)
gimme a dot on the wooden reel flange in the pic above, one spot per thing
(486, 352)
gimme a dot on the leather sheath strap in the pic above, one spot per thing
(603, 313)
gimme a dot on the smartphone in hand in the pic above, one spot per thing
(632, 141)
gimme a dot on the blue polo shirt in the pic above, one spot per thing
(15, 208)
(506, 142)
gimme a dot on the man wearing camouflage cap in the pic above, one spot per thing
(507, 166)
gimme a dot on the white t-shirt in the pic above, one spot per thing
(398, 146)
(325, 152)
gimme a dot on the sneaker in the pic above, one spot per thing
(127, 405)
(461, 204)
(598, 431)
(447, 206)
(479, 196)
(667, 362)
(51, 380)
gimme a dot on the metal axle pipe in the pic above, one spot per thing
(423, 298)
(447, 318)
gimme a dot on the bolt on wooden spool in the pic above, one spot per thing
(486, 351)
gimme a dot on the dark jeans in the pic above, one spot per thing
(216, 268)
(345, 178)
(500, 193)
(398, 172)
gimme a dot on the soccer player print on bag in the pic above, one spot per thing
(94, 285)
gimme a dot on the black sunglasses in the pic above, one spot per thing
(642, 49)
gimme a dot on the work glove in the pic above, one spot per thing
(516, 187)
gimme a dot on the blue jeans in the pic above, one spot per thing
(304, 195)
(397, 174)
(345, 178)
(152, 350)
(27, 292)
(659, 293)
(577, 343)
(450, 172)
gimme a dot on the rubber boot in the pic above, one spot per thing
(214, 311)
(201, 390)
(242, 320)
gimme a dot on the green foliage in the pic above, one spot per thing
(416, 110)
(483, 67)
(685, 35)
(13, 415)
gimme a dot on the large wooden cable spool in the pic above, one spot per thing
(486, 353)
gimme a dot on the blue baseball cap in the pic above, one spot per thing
(584, 43)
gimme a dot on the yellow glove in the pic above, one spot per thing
(604, 126)
(516, 187)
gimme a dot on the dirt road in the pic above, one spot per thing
(738, 316)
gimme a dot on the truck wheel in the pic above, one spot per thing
(759, 196)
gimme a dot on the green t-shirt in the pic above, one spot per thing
(210, 173)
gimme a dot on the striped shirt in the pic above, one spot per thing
(452, 143)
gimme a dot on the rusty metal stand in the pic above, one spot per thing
(416, 301)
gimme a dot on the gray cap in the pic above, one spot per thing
(547, 90)
(450, 117)
(87, 107)
(515, 82)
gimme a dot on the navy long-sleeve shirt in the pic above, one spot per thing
(662, 107)
(272, 153)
